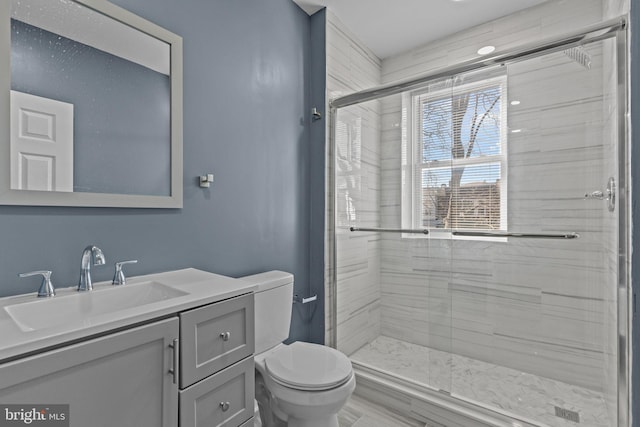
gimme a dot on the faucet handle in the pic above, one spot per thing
(46, 287)
(118, 277)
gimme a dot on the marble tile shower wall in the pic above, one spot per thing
(616, 8)
(352, 67)
(540, 306)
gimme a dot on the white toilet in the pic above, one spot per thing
(297, 385)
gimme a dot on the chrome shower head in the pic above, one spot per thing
(580, 55)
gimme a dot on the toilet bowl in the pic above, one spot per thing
(306, 384)
(299, 384)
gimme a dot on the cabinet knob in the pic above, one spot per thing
(225, 406)
(225, 336)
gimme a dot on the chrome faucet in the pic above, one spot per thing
(91, 254)
(46, 288)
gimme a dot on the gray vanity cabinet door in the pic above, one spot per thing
(122, 379)
(215, 336)
(223, 399)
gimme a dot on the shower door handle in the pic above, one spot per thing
(609, 194)
(595, 195)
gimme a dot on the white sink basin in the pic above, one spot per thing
(82, 308)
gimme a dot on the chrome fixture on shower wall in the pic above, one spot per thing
(579, 55)
(315, 114)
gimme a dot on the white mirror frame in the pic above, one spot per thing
(52, 198)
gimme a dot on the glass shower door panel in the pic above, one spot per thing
(357, 197)
(438, 314)
(416, 311)
(393, 304)
(534, 324)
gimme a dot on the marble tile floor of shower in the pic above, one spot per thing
(521, 394)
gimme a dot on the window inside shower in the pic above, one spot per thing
(509, 302)
(456, 155)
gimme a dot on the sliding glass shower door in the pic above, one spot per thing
(534, 317)
(479, 236)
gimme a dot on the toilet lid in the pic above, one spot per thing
(306, 366)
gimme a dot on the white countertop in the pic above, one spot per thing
(200, 288)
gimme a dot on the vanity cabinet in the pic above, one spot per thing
(192, 369)
(216, 364)
(121, 379)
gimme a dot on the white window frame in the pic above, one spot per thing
(412, 165)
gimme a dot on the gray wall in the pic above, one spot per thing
(635, 196)
(245, 120)
(317, 167)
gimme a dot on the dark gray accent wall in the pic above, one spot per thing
(317, 172)
(122, 133)
(635, 207)
(245, 120)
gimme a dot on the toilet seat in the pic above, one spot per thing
(308, 367)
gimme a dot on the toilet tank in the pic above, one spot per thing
(272, 299)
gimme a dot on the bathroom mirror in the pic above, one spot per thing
(90, 106)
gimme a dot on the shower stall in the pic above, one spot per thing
(479, 237)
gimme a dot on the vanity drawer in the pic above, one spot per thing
(214, 337)
(223, 399)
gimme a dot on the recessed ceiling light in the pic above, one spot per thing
(516, 131)
(515, 102)
(485, 50)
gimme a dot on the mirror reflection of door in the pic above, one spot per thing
(41, 143)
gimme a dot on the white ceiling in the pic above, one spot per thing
(389, 27)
